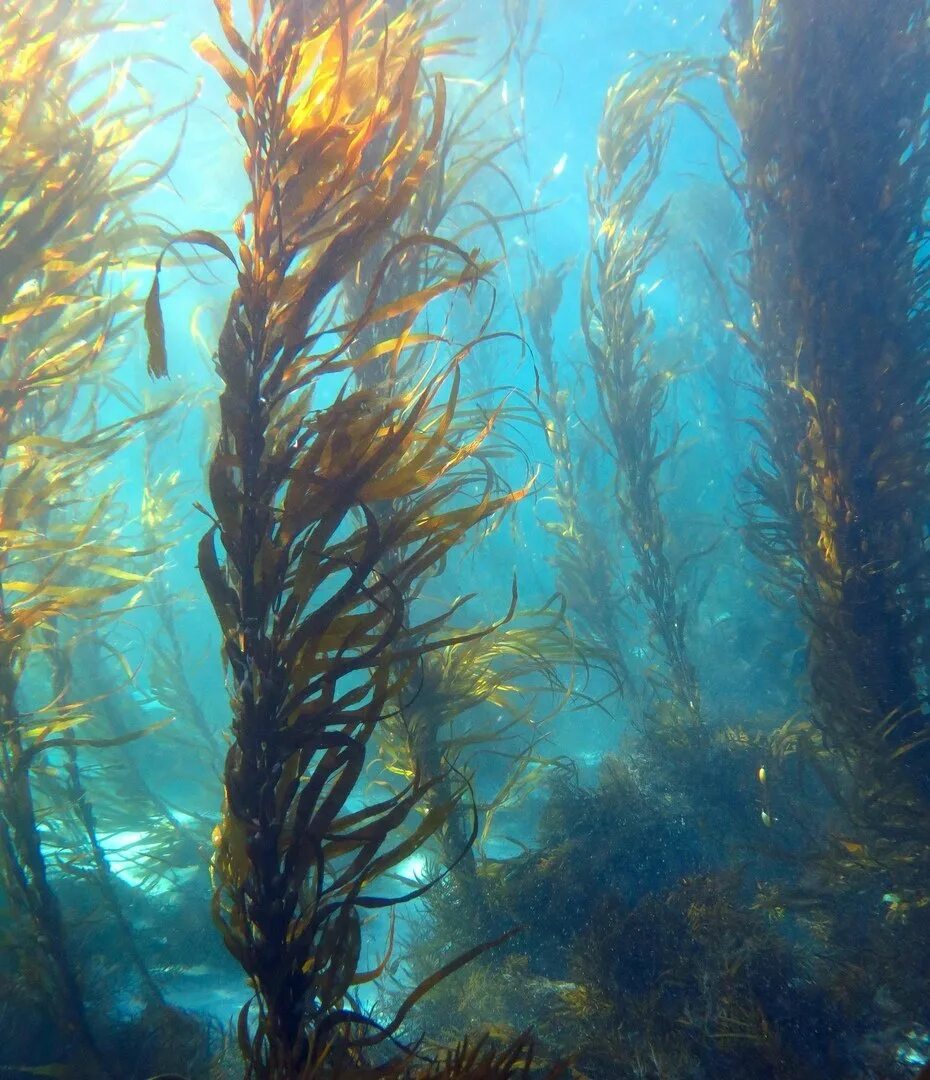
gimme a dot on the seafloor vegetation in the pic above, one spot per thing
(298, 779)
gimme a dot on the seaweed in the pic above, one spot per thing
(586, 567)
(313, 586)
(646, 952)
(738, 891)
(67, 189)
(488, 664)
(626, 238)
(834, 185)
(448, 725)
(691, 981)
(670, 929)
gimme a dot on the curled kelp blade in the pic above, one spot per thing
(384, 1032)
(154, 322)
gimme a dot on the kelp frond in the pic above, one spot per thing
(627, 235)
(331, 500)
(66, 187)
(587, 570)
(834, 187)
(449, 721)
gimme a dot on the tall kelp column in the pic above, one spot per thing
(67, 226)
(830, 99)
(627, 238)
(311, 585)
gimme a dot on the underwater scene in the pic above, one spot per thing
(465, 539)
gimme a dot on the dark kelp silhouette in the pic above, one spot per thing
(312, 589)
(834, 187)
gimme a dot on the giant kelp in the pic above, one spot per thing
(650, 954)
(587, 568)
(834, 187)
(66, 223)
(696, 929)
(631, 389)
(509, 668)
(492, 664)
(736, 892)
(312, 591)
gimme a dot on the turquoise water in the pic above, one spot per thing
(537, 617)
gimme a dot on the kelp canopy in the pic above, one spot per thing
(443, 717)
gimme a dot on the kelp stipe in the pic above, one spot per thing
(831, 105)
(312, 587)
(626, 238)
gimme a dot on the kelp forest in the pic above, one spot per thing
(465, 540)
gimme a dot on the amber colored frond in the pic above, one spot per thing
(65, 223)
(332, 498)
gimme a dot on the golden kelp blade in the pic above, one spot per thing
(328, 515)
(66, 189)
(157, 361)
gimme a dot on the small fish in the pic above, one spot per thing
(29, 290)
(145, 701)
(761, 774)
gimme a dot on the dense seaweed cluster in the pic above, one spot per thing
(309, 760)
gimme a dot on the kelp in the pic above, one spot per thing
(66, 188)
(587, 569)
(747, 909)
(479, 1061)
(626, 237)
(449, 727)
(645, 952)
(691, 981)
(312, 588)
(634, 954)
(451, 207)
(452, 204)
(90, 849)
(834, 186)
(167, 670)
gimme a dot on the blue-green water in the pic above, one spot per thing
(527, 549)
